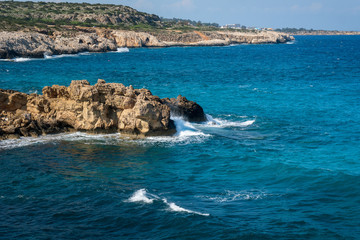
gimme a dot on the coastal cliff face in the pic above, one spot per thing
(103, 107)
(33, 44)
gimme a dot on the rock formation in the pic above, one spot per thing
(189, 110)
(83, 39)
(103, 107)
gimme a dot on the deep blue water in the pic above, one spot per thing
(282, 161)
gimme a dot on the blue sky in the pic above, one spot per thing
(316, 14)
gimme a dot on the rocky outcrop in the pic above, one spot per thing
(135, 39)
(103, 107)
(197, 38)
(32, 44)
(189, 110)
(36, 45)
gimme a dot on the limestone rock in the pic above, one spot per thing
(85, 39)
(103, 107)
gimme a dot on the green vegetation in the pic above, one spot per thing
(29, 15)
(46, 16)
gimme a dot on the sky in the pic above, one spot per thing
(315, 14)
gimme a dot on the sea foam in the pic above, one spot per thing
(221, 123)
(106, 139)
(175, 208)
(122, 50)
(143, 196)
(186, 133)
(140, 196)
(231, 196)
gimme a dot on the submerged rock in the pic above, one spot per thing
(103, 107)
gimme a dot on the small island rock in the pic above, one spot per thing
(103, 107)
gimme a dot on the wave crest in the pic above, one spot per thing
(221, 123)
(142, 195)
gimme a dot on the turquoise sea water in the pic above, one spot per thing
(281, 162)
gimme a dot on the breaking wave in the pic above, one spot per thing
(221, 123)
(107, 139)
(140, 196)
(46, 56)
(143, 196)
(122, 50)
(186, 133)
(20, 59)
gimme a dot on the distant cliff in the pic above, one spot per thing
(38, 45)
(36, 29)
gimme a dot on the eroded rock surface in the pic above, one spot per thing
(103, 107)
(83, 39)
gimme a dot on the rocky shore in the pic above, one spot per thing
(103, 107)
(85, 39)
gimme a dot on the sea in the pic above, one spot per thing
(278, 158)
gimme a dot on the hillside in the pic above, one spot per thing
(38, 29)
(15, 16)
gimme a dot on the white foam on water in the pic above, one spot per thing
(175, 208)
(84, 53)
(231, 196)
(141, 196)
(107, 139)
(291, 42)
(47, 56)
(185, 129)
(21, 142)
(122, 50)
(21, 59)
(221, 123)
(186, 133)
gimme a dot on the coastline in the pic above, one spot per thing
(327, 33)
(87, 39)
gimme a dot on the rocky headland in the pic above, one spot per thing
(84, 39)
(37, 29)
(103, 107)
